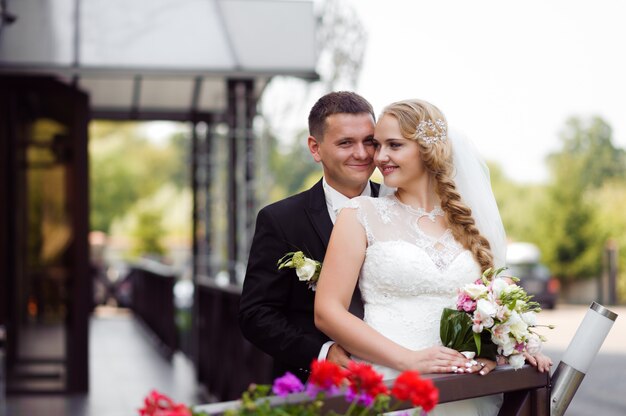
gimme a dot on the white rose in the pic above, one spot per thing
(475, 291)
(530, 318)
(306, 271)
(516, 361)
(507, 347)
(498, 286)
(518, 327)
(485, 308)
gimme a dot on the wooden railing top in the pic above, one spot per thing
(155, 268)
(452, 387)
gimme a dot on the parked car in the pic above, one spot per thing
(523, 260)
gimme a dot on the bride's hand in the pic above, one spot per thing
(483, 366)
(542, 362)
(438, 359)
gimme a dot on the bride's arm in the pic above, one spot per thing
(340, 272)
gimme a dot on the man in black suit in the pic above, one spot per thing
(276, 310)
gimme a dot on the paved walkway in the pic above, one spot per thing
(124, 366)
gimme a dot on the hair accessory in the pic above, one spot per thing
(432, 132)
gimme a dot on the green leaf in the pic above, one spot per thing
(477, 342)
(455, 331)
(281, 262)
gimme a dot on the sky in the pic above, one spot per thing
(508, 74)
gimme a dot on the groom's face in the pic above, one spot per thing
(346, 151)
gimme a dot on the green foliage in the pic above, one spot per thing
(589, 148)
(609, 201)
(571, 237)
(154, 220)
(125, 167)
(256, 401)
(147, 233)
(571, 217)
(291, 166)
(519, 204)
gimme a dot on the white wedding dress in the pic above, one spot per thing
(408, 278)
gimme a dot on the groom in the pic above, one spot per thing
(276, 310)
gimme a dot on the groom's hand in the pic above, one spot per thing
(338, 355)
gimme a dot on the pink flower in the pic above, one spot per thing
(287, 384)
(465, 303)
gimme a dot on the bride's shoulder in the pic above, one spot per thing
(371, 204)
(361, 202)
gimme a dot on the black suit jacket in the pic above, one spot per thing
(276, 309)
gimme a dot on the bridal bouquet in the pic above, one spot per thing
(308, 270)
(493, 316)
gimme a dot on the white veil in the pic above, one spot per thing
(473, 182)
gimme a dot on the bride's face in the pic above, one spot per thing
(397, 158)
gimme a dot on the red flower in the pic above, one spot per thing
(157, 404)
(410, 387)
(326, 374)
(363, 378)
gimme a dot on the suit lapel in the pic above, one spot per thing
(318, 213)
(375, 189)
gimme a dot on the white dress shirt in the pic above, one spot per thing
(335, 200)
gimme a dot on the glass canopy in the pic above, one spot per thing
(151, 57)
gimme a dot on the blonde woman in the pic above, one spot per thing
(410, 251)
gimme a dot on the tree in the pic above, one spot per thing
(125, 167)
(148, 233)
(568, 233)
(519, 205)
(570, 236)
(341, 43)
(610, 201)
(589, 145)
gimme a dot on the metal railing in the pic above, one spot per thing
(226, 362)
(153, 302)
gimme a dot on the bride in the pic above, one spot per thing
(412, 250)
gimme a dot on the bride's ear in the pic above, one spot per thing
(314, 148)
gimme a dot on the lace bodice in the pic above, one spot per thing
(408, 277)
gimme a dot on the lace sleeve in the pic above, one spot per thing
(359, 203)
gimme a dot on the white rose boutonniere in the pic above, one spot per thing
(308, 270)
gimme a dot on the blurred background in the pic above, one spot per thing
(140, 139)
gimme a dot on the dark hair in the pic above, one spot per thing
(335, 103)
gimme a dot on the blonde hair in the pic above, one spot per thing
(437, 158)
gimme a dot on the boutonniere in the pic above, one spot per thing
(308, 270)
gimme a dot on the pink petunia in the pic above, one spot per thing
(286, 385)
